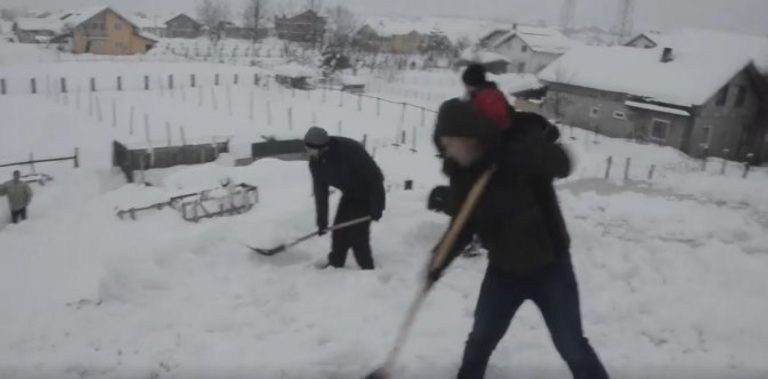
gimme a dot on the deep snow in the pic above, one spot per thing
(671, 270)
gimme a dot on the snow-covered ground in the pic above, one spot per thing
(671, 270)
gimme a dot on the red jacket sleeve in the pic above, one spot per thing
(491, 103)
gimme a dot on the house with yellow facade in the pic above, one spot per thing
(100, 30)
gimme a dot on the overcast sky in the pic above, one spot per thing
(736, 15)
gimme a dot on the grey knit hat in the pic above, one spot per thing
(316, 137)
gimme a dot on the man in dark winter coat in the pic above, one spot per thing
(518, 219)
(344, 164)
(485, 96)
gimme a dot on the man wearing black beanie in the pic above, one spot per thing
(518, 220)
(486, 97)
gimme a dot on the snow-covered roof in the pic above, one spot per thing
(544, 40)
(512, 83)
(695, 39)
(657, 108)
(80, 16)
(691, 78)
(482, 56)
(294, 70)
(453, 28)
(34, 23)
(540, 39)
(352, 80)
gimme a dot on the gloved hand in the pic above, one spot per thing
(322, 229)
(433, 275)
(376, 214)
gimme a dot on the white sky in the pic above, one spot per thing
(736, 15)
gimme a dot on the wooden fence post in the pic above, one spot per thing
(3, 90)
(626, 168)
(114, 113)
(251, 105)
(77, 157)
(33, 86)
(93, 84)
(99, 114)
(608, 167)
(63, 85)
(650, 172)
(229, 101)
(130, 120)
(183, 136)
(168, 133)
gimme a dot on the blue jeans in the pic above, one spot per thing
(555, 292)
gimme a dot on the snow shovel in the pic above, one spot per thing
(385, 372)
(285, 246)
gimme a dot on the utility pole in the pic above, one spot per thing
(625, 23)
(567, 15)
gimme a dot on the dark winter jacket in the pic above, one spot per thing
(347, 166)
(491, 103)
(518, 218)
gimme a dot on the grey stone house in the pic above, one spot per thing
(703, 101)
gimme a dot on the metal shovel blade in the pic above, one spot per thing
(268, 252)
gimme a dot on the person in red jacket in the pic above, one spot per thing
(486, 97)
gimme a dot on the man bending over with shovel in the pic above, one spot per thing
(344, 164)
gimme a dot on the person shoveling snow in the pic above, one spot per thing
(344, 164)
(518, 219)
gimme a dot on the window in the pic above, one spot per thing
(525, 48)
(118, 26)
(619, 115)
(521, 67)
(119, 46)
(594, 112)
(741, 96)
(659, 129)
(706, 136)
(722, 96)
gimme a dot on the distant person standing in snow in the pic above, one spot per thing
(344, 164)
(19, 196)
(518, 219)
(486, 97)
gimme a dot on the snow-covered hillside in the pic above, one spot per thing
(671, 269)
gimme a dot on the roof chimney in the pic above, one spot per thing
(666, 56)
(514, 26)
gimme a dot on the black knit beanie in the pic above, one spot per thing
(474, 75)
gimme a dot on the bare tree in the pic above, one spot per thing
(345, 24)
(8, 14)
(255, 14)
(212, 12)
